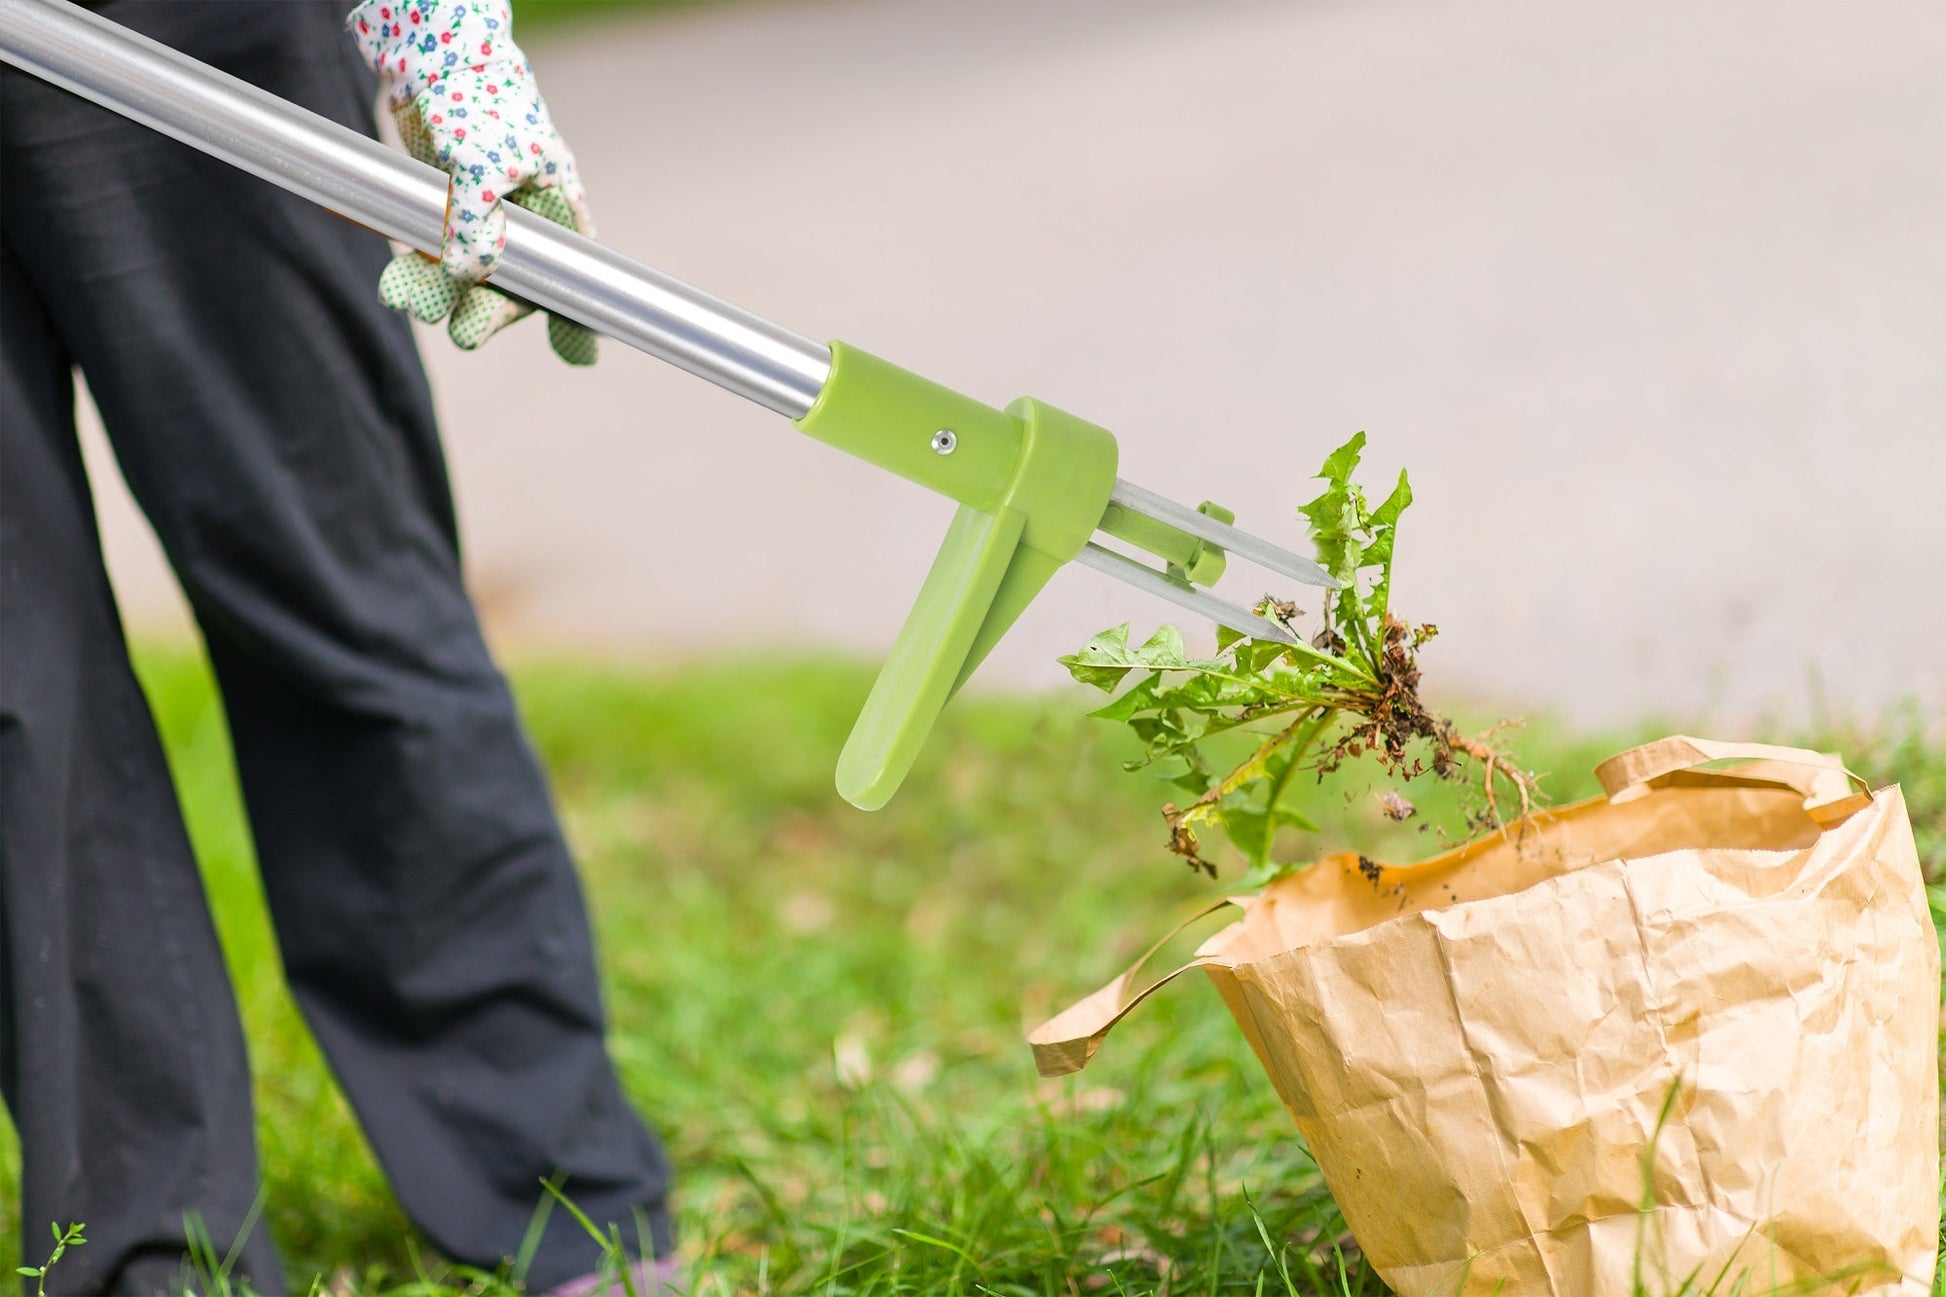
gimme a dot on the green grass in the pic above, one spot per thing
(753, 930)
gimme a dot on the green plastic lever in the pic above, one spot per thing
(1032, 483)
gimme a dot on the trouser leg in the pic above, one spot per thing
(273, 422)
(120, 1054)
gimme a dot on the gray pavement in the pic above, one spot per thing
(1650, 297)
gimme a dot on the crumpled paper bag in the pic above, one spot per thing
(1718, 990)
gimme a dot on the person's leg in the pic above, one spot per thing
(273, 421)
(121, 1058)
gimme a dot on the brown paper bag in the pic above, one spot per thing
(1718, 987)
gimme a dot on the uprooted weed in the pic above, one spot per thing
(1308, 705)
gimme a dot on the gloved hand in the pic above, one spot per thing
(465, 102)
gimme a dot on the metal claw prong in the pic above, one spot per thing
(1233, 540)
(1220, 611)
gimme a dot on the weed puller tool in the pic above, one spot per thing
(1035, 485)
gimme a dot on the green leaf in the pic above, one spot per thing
(1257, 654)
(1104, 678)
(1340, 463)
(1265, 874)
(1245, 829)
(1387, 514)
(1105, 660)
(1225, 637)
(1253, 818)
(1289, 817)
(1337, 522)
(1203, 692)
(1162, 650)
(1254, 829)
(1188, 723)
(1138, 699)
(1385, 530)
(1354, 540)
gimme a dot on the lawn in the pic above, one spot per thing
(822, 1009)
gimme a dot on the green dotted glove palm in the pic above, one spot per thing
(474, 312)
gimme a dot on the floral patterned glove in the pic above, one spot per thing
(465, 102)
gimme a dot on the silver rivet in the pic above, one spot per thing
(944, 441)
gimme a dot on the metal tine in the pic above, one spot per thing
(1220, 611)
(1234, 540)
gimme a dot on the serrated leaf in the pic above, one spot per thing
(1113, 641)
(1254, 656)
(1342, 462)
(1206, 691)
(1104, 662)
(1102, 676)
(1337, 523)
(1163, 650)
(1226, 636)
(1387, 513)
(1385, 530)
(1107, 659)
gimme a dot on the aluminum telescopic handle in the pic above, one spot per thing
(384, 190)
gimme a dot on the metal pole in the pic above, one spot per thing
(386, 191)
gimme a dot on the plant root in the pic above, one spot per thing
(1495, 765)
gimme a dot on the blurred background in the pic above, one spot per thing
(1650, 298)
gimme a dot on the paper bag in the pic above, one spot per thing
(1716, 988)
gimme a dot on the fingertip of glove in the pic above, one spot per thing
(482, 312)
(470, 335)
(573, 343)
(417, 286)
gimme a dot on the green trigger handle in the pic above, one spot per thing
(1032, 483)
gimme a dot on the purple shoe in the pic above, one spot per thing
(650, 1278)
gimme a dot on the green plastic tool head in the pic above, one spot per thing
(1032, 483)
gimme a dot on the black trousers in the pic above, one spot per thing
(274, 423)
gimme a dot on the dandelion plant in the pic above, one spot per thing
(1347, 690)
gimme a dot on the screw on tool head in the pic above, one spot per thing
(944, 441)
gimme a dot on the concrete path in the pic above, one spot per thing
(1650, 297)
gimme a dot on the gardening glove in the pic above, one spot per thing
(465, 102)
